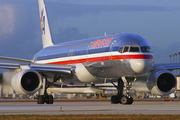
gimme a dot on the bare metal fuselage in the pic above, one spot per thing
(96, 60)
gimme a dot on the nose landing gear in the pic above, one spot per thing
(120, 98)
(126, 100)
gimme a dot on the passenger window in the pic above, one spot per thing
(134, 49)
(126, 49)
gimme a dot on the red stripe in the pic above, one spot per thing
(104, 58)
(116, 57)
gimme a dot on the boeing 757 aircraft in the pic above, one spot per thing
(90, 61)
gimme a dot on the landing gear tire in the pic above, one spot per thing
(40, 99)
(115, 100)
(131, 100)
(120, 98)
(49, 99)
(126, 100)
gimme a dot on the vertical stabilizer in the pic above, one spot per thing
(45, 30)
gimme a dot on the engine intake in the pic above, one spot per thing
(162, 82)
(26, 81)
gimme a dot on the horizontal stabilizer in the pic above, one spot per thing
(16, 59)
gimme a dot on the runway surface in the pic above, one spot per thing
(94, 107)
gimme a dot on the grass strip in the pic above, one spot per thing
(92, 117)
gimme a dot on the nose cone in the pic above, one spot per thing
(141, 65)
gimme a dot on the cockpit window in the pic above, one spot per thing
(121, 49)
(129, 49)
(134, 49)
(146, 49)
(126, 49)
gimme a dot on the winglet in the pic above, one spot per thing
(45, 30)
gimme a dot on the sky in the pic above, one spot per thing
(158, 21)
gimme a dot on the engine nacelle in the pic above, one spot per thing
(27, 81)
(162, 82)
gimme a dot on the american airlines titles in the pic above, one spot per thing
(101, 43)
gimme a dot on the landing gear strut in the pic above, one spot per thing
(120, 98)
(48, 99)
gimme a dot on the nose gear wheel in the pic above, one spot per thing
(120, 98)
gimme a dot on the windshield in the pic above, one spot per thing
(146, 49)
(129, 49)
(134, 49)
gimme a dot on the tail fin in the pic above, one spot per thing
(45, 30)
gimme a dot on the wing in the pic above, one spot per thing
(45, 69)
(28, 78)
(167, 66)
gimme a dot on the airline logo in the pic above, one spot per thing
(42, 22)
(101, 43)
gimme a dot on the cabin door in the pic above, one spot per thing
(111, 51)
(70, 56)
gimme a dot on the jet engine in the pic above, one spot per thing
(162, 82)
(27, 81)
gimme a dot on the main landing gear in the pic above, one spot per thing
(120, 98)
(48, 99)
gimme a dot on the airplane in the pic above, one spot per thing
(121, 57)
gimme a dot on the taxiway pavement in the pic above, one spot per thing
(94, 107)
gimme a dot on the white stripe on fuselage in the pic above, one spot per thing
(85, 56)
(78, 57)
